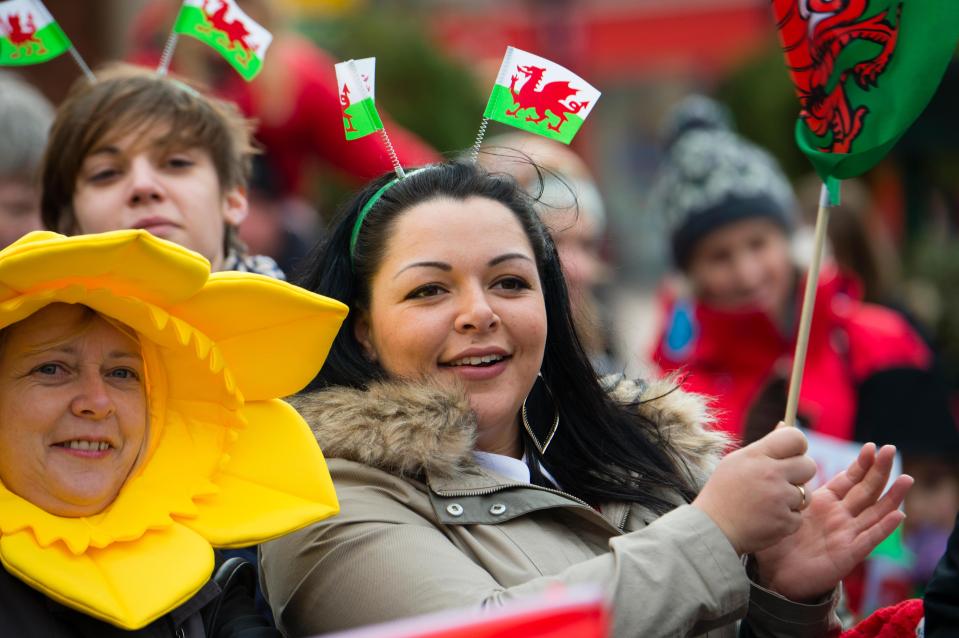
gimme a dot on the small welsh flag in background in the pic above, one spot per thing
(864, 71)
(356, 80)
(29, 34)
(539, 96)
(222, 25)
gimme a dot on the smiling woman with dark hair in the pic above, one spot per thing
(479, 459)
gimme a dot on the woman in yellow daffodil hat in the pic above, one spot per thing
(141, 425)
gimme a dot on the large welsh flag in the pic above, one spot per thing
(864, 71)
(539, 96)
(222, 25)
(356, 82)
(29, 34)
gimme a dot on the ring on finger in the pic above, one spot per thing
(802, 496)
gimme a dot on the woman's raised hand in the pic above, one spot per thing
(753, 495)
(845, 520)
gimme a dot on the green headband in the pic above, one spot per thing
(371, 202)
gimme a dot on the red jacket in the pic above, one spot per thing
(858, 352)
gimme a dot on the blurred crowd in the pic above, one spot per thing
(733, 231)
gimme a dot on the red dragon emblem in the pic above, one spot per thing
(344, 104)
(548, 99)
(22, 38)
(814, 34)
(234, 32)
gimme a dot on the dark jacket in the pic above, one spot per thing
(223, 608)
(942, 594)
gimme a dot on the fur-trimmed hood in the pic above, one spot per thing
(412, 429)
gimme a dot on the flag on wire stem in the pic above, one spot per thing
(539, 96)
(29, 34)
(222, 25)
(356, 81)
(864, 70)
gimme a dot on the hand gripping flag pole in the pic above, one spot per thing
(863, 71)
(29, 35)
(537, 95)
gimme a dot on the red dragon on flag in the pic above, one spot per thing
(21, 37)
(548, 99)
(542, 103)
(234, 30)
(815, 35)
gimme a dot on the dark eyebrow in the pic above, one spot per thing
(498, 260)
(441, 265)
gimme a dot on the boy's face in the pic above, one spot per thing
(744, 265)
(134, 182)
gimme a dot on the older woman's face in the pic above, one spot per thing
(72, 410)
(458, 297)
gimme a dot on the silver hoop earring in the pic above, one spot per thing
(552, 431)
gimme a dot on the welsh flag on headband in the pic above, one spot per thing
(356, 81)
(29, 34)
(539, 96)
(222, 25)
(864, 71)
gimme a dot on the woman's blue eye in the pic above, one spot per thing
(124, 373)
(48, 368)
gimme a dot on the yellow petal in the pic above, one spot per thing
(255, 319)
(128, 261)
(128, 584)
(275, 482)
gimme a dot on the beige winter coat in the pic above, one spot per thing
(423, 528)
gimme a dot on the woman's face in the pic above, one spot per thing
(457, 297)
(73, 417)
(744, 265)
(137, 182)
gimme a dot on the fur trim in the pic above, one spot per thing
(403, 428)
(411, 429)
(683, 419)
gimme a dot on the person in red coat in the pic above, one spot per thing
(868, 374)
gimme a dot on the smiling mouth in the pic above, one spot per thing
(153, 222)
(478, 362)
(87, 446)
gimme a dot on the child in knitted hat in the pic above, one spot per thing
(731, 214)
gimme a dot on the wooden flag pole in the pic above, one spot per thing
(808, 303)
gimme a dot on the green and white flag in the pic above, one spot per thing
(356, 80)
(29, 34)
(222, 25)
(539, 96)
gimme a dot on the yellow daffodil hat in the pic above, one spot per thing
(227, 464)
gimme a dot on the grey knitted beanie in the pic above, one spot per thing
(711, 177)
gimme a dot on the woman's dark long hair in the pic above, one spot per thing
(603, 450)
